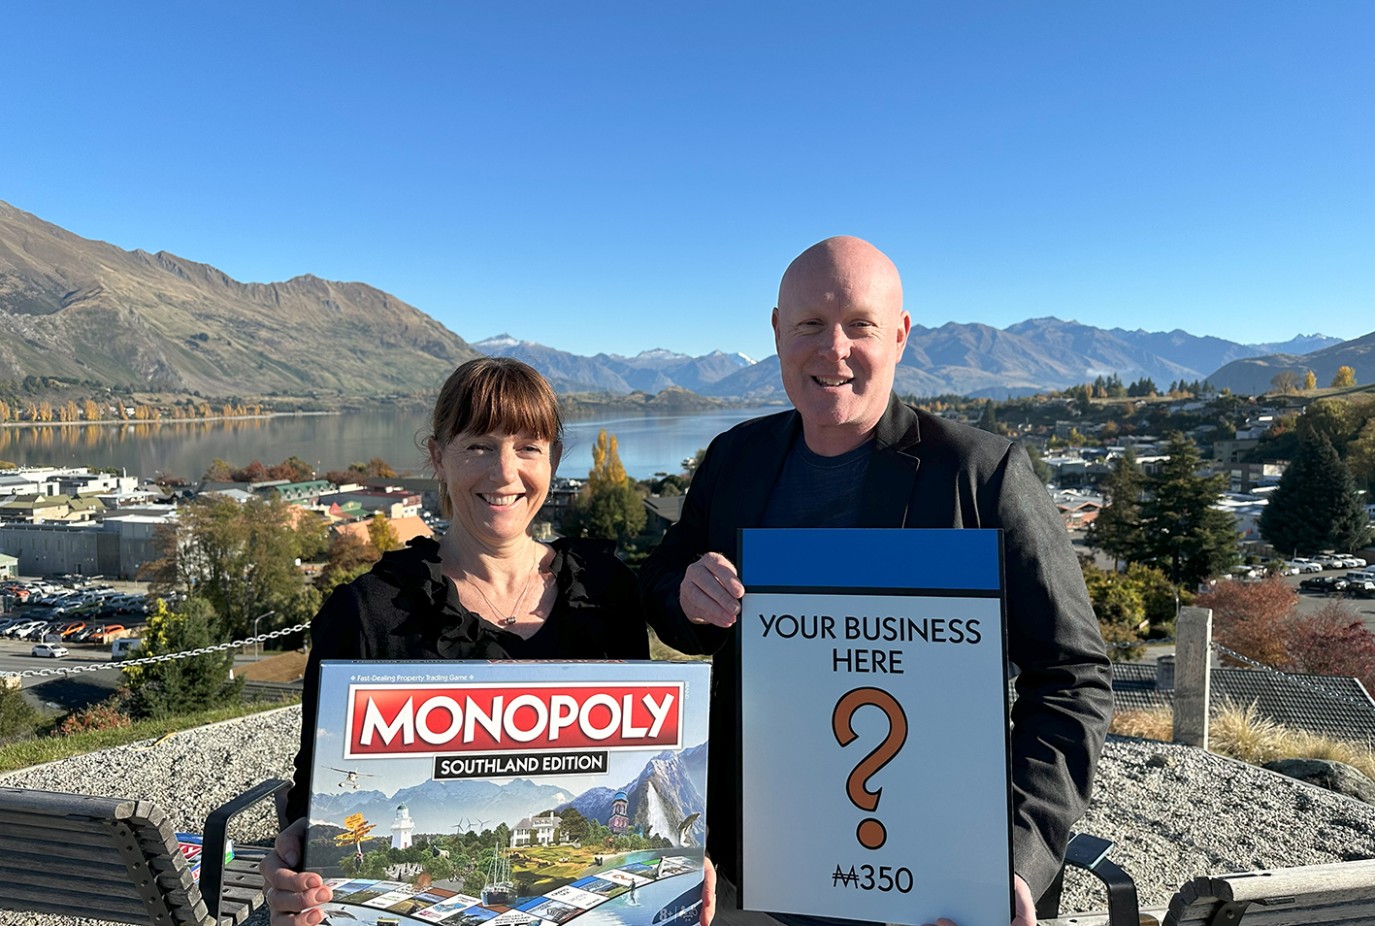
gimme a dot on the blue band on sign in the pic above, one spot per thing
(871, 558)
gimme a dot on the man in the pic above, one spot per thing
(851, 455)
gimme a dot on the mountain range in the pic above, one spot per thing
(84, 311)
(660, 798)
(80, 310)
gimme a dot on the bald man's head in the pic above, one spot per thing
(842, 266)
(840, 332)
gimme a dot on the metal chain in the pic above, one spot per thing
(149, 660)
(1291, 679)
(1131, 644)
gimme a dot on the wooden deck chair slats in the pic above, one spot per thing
(118, 859)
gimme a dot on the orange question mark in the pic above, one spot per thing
(870, 833)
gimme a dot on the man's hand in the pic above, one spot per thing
(292, 896)
(1026, 906)
(711, 591)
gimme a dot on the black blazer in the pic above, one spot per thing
(924, 472)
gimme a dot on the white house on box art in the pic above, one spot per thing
(535, 831)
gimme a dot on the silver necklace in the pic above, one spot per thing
(510, 618)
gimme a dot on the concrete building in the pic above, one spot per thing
(116, 547)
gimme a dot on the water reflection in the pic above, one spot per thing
(649, 443)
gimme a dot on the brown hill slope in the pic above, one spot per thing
(86, 310)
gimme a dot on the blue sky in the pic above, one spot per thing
(624, 176)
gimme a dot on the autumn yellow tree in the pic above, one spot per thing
(1345, 377)
(90, 411)
(607, 470)
(382, 534)
(4, 411)
(1310, 381)
(608, 506)
(45, 411)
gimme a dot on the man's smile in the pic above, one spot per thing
(833, 381)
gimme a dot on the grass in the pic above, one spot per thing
(36, 751)
(1240, 732)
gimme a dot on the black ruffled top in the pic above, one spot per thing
(405, 608)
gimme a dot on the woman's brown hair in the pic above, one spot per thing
(495, 395)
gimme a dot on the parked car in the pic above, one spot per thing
(52, 650)
(1327, 585)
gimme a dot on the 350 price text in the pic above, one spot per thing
(883, 878)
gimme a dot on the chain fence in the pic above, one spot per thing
(150, 660)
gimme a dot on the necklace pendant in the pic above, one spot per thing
(509, 620)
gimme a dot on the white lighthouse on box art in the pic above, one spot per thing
(401, 828)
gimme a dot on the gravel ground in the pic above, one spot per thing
(1173, 812)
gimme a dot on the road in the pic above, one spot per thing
(68, 692)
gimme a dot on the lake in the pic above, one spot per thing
(649, 443)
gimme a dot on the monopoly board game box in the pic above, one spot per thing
(510, 793)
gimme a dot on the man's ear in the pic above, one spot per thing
(904, 329)
(773, 322)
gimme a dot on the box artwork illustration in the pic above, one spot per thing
(510, 793)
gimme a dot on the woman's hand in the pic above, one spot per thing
(292, 896)
(708, 892)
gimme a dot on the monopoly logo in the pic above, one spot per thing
(396, 720)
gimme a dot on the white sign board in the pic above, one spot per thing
(874, 726)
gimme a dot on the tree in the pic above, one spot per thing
(1181, 532)
(349, 557)
(1117, 529)
(186, 685)
(609, 505)
(1285, 381)
(606, 463)
(1038, 463)
(1332, 641)
(1160, 597)
(1120, 610)
(1310, 381)
(1360, 456)
(988, 419)
(1251, 617)
(1316, 506)
(382, 534)
(241, 558)
(1344, 377)
(18, 718)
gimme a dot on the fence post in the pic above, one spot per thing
(1193, 639)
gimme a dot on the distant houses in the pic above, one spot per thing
(73, 520)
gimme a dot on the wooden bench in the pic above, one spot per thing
(1340, 894)
(116, 859)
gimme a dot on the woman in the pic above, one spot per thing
(485, 590)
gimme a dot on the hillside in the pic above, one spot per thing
(83, 310)
(1254, 375)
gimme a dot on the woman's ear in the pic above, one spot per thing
(555, 455)
(436, 455)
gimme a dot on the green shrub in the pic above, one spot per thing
(103, 716)
(18, 718)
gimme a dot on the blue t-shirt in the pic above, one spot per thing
(817, 491)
